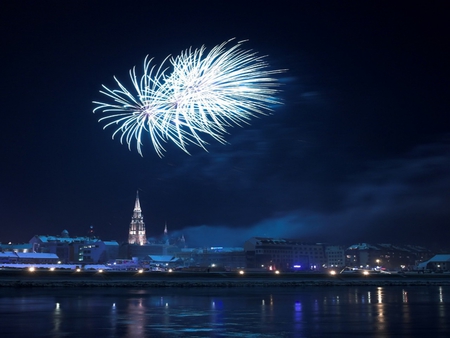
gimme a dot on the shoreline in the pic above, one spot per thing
(133, 279)
(179, 284)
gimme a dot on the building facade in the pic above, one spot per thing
(438, 263)
(128, 251)
(284, 254)
(385, 256)
(16, 247)
(75, 249)
(13, 257)
(136, 233)
(97, 251)
(335, 256)
(218, 257)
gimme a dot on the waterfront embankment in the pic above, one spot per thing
(45, 278)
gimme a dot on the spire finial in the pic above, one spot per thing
(137, 204)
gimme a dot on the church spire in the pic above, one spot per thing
(137, 204)
(166, 235)
(136, 234)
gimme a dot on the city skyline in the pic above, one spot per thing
(359, 151)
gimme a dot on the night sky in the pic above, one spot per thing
(358, 152)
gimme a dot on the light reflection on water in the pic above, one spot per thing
(234, 312)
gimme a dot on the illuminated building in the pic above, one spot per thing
(16, 247)
(28, 258)
(97, 251)
(335, 256)
(136, 234)
(387, 256)
(284, 254)
(138, 245)
(75, 249)
(227, 258)
(438, 263)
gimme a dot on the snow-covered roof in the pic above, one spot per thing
(163, 258)
(37, 255)
(8, 254)
(436, 258)
(68, 240)
(188, 249)
(18, 246)
(55, 266)
(59, 239)
(213, 249)
(362, 246)
(440, 258)
(280, 241)
(111, 243)
(224, 249)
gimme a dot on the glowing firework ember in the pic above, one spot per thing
(203, 95)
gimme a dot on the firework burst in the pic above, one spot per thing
(204, 94)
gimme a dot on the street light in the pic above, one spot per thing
(378, 263)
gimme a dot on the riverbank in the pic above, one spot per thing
(57, 279)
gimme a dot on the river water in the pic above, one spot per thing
(337, 311)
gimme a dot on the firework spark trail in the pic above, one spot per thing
(205, 94)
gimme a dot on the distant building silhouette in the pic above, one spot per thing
(78, 249)
(388, 256)
(438, 263)
(136, 234)
(284, 254)
(91, 232)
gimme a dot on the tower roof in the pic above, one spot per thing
(137, 205)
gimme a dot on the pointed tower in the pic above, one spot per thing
(166, 235)
(136, 233)
(183, 241)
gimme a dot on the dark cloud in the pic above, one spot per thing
(402, 200)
